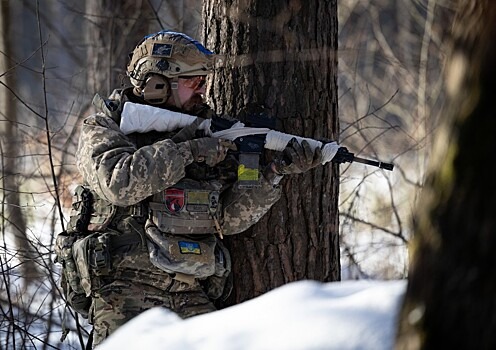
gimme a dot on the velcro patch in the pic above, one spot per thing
(162, 50)
(189, 247)
(174, 200)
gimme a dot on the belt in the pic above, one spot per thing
(137, 211)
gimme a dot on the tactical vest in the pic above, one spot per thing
(186, 218)
(186, 210)
(193, 205)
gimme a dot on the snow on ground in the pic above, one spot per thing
(358, 315)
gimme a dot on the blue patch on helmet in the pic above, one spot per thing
(162, 50)
(199, 46)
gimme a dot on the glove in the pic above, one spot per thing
(210, 150)
(298, 158)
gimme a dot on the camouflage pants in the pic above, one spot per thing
(123, 301)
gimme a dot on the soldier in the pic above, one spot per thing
(161, 200)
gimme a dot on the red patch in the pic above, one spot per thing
(174, 200)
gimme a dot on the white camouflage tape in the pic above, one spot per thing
(140, 118)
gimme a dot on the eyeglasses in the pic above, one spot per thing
(195, 82)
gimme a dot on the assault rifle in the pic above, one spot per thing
(256, 143)
(251, 137)
(251, 145)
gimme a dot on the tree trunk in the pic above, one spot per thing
(116, 26)
(451, 295)
(13, 219)
(282, 55)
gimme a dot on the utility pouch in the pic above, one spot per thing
(63, 249)
(180, 254)
(70, 281)
(82, 251)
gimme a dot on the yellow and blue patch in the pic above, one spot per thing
(189, 247)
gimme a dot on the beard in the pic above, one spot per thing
(194, 103)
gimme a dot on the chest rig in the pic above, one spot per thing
(190, 207)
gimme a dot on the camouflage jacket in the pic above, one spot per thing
(126, 170)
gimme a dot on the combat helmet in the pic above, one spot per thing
(166, 54)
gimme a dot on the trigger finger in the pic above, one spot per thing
(298, 150)
(317, 156)
(309, 154)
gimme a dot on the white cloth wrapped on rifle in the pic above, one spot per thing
(140, 118)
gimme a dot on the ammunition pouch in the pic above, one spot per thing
(84, 260)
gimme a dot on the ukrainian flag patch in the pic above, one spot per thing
(189, 247)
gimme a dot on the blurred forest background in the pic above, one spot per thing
(390, 71)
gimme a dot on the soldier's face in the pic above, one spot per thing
(191, 92)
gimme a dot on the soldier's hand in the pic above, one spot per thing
(210, 150)
(298, 158)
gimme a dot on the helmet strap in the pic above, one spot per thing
(174, 83)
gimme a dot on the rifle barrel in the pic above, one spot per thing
(382, 165)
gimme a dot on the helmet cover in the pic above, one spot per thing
(170, 54)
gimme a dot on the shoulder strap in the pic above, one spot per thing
(112, 106)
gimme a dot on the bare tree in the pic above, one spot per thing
(14, 222)
(46, 88)
(281, 55)
(451, 295)
(391, 54)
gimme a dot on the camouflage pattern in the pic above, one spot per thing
(113, 166)
(63, 250)
(119, 302)
(136, 285)
(127, 170)
(117, 171)
(210, 150)
(244, 207)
